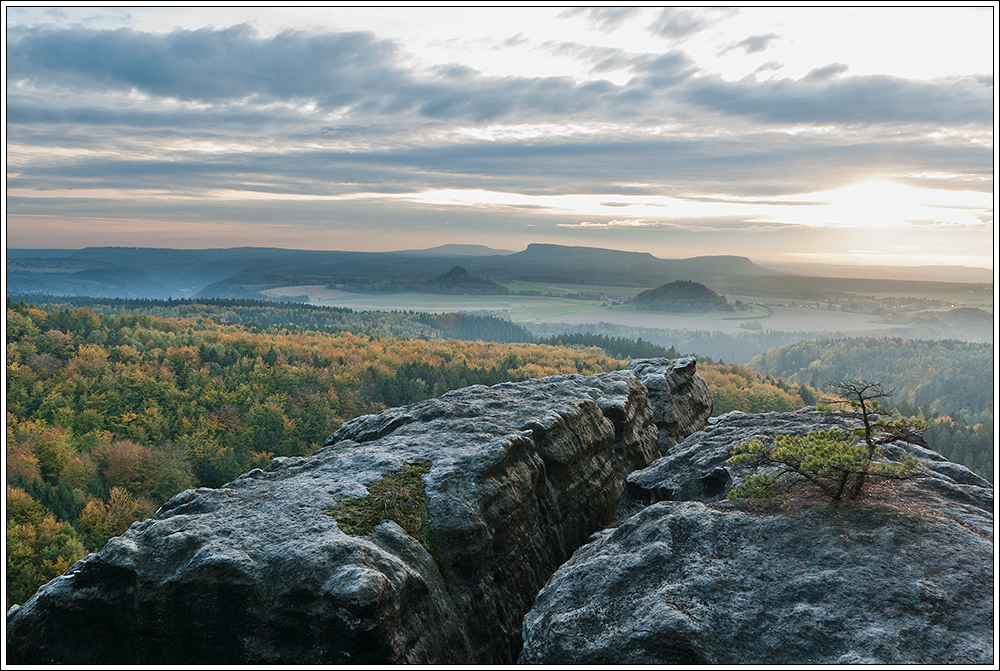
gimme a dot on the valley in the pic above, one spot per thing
(558, 309)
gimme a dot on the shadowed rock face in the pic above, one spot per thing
(681, 400)
(903, 576)
(257, 572)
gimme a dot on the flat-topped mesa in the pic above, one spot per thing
(498, 486)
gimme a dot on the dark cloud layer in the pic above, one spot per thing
(820, 98)
(235, 64)
(359, 72)
(210, 65)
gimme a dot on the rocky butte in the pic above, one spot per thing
(563, 520)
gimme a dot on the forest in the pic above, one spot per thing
(296, 317)
(947, 383)
(729, 346)
(109, 415)
(681, 296)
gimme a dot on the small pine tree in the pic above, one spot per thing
(838, 463)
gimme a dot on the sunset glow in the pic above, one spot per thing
(766, 132)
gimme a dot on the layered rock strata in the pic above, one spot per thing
(260, 571)
(681, 400)
(903, 576)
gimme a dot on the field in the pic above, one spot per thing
(966, 299)
(782, 319)
(518, 308)
(556, 309)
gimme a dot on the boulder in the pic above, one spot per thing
(902, 575)
(681, 400)
(511, 479)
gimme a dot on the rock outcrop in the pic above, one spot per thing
(903, 576)
(423, 534)
(517, 477)
(681, 400)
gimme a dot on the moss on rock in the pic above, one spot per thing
(399, 497)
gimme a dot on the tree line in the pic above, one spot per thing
(297, 317)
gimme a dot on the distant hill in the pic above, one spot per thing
(460, 281)
(908, 273)
(457, 281)
(680, 296)
(134, 272)
(457, 250)
(592, 265)
(244, 272)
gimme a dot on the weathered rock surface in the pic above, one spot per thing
(256, 572)
(681, 400)
(904, 576)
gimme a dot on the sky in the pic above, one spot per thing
(834, 134)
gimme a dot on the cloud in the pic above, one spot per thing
(455, 71)
(335, 71)
(662, 71)
(360, 77)
(826, 72)
(617, 223)
(209, 65)
(605, 19)
(679, 22)
(709, 224)
(515, 41)
(603, 58)
(754, 165)
(86, 112)
(768, 66)
(753, 44)
(821, 99)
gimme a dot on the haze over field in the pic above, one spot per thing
(844, 134)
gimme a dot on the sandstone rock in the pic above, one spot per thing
(902, 576)
(257, 572)
(681, 400)
(696, 469)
